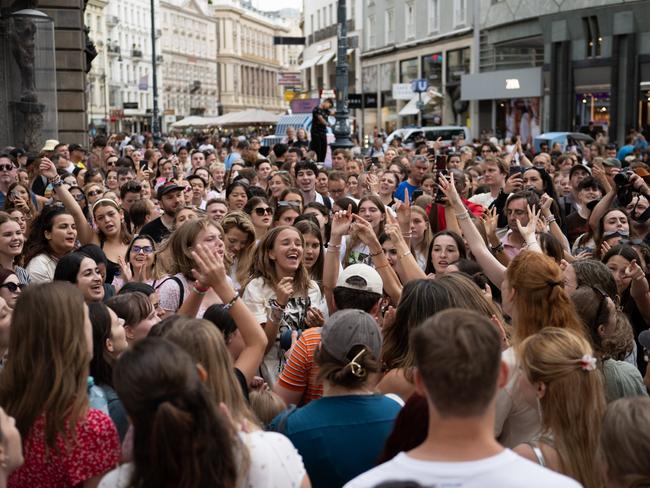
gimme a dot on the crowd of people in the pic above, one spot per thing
(203, 311)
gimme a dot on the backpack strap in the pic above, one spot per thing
(181, 288)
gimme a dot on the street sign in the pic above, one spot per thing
(327, 93)
(289, 79)
(419, 86)
(402, 91)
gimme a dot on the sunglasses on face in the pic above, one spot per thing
(111, 163)
(94, 193)
(260, 211)
(6, 167)
(79, 196)
(142, 249)
(13, 287)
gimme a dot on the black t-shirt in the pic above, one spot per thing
(316, 126)
(241, 379)
(576, 226)
(156, 230)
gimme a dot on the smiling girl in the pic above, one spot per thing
(446, 248)
(280, 292)
(12, 241)
(112, 235)
(373, 212)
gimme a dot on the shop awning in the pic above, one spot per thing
(326, 58)
(411, 108)
(309, 63)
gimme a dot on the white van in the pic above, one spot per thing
(446, 132)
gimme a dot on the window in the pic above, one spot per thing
(332, 19)
(409, 19)
(593, 38)
(311, 23)
(389, 25)
(318, 19)
(371, 31)
(408, 70)
(434, 15)
(460, 12)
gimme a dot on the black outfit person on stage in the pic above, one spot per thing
(319, 126)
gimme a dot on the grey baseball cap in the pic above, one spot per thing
(348, 328)
(612, 163)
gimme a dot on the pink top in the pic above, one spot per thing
(95, 451)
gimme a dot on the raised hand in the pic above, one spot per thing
(125, 269)
(514, 183)
(284, 291)
(528, 231)
(634, 271)
(363, 229)
(490, 221)
(372, 183)
(447, 186)
(315, 317)
(210, 270)
(403, 210)
(341, 222)
(47, 168)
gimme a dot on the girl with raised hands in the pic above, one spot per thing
(112, 234)
(280, 293)
(563, 381)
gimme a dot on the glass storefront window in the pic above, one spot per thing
(408, 70)
(387, 76)
(432, 72)
(518, 117)
(592, 107)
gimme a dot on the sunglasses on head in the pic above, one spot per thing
(13, 287)
(260, 211)
(285, 203)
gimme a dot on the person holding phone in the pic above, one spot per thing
(419, 168)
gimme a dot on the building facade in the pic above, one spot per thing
(97, 78)
(248, 62)
(129, 49)
(405, 40)
(553, 66)
(189, 59)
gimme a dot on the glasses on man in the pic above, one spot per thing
(142, 249)
(13, 287)
(260, 211)
(6, 167)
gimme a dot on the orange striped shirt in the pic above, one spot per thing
(300, 371)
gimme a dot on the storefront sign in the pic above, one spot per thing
(504, 84)
(402, 91)
(355, 100)
(370, 100)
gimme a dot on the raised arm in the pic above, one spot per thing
(85, 233)
(408, 266)
(211, 271)
(341, 222)
(493, 269)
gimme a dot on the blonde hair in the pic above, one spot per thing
(266, 405)
(539, 296)
(241, 221)
(574, 401)
(180, 246)
(423, 246)
(624, 442)
(205, 343)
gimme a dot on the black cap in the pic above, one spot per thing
(167, 187)
(75, 147)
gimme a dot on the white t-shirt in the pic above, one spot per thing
(257, 295)
(482, 199)
(274, 463)
(504, 470)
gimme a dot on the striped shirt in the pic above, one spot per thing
(300, 371)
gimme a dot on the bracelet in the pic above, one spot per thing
(550, 220)
(463, 216)
(229, 305)
(404, 255)
(334, 250)
(408, 236)
(199, 291)
(375, 254)
(333, 246)
(497, 248)
(54, 180)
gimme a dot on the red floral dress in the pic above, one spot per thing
(95, 450)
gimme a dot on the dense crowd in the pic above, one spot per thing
(205, 311)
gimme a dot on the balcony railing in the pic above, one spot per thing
(112, 20)
(112, 48)
(136, 53)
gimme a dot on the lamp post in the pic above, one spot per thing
(342, 125)
(155, 123)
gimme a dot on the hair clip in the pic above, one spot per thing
(588, 362)
(357, 370)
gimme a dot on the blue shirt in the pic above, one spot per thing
(399, 192)
(339, 437)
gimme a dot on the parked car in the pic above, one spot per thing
(446, 132)
(566, 139)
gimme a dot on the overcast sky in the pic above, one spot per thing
(276, 4)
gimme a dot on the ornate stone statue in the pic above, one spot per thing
(22, 37)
